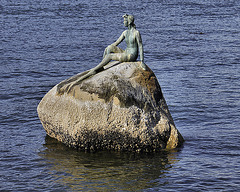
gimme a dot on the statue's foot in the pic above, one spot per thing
(90, 73)
(69, 88)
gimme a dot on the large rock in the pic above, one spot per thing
(121, 108)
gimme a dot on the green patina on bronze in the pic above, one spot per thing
(112, 52)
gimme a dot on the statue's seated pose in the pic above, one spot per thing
(112, 52)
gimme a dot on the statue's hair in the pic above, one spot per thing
(130, 19)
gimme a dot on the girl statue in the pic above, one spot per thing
(112, 52)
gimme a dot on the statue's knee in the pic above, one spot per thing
(111, 48)
(107, 49)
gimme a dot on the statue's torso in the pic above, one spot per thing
(132, 45)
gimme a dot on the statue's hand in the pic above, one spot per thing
(144, 66)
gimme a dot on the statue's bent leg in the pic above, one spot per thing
(105, 61)
(112, 49)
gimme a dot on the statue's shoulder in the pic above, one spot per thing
(137, 34)
(136, 31)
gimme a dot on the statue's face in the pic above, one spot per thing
(125, 21)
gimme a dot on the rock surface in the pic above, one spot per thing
(121, 108)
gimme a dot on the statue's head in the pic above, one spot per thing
(128, 20)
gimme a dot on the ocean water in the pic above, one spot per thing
(192, 46)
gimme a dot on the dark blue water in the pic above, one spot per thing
(192, 46)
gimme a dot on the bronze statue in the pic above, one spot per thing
(112, 52)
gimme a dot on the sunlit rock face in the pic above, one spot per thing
(120, 108)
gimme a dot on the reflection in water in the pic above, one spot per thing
(106, 171)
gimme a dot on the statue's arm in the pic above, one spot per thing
(120, 39)
(140, 46)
